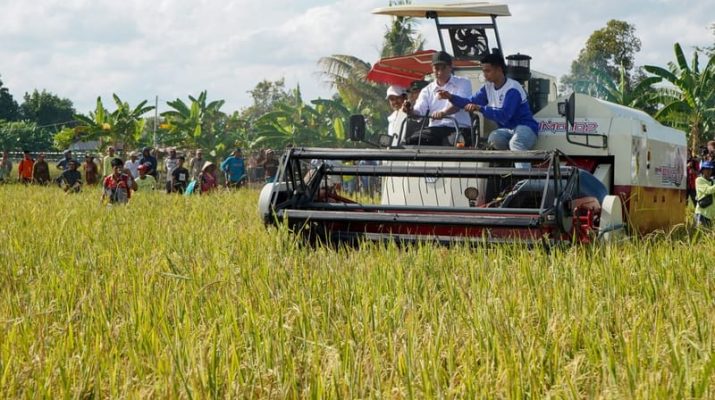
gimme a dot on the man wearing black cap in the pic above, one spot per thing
(414, 90)
(503, 101)
(441, 131)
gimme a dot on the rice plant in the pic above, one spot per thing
(191, 297)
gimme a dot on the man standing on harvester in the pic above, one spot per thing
(503, 101)
(441, 131)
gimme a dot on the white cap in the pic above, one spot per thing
(395, 90)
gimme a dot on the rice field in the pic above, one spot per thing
(191, 297)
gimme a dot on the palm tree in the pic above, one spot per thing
(401, 38)
(690, 104)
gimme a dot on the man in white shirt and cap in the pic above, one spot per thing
(441, 131)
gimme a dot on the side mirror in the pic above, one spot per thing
(571, 109)
(357, 128)
(568, 109)
(574, 135)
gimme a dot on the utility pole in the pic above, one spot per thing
(156, 117)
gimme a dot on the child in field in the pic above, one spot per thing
(179, 176)
(118, 185)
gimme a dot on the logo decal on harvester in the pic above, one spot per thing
(560, 126)
(672, 174)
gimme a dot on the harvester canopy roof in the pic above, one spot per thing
(403, 70)
(468, 9)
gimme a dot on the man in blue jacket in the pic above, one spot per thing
(503, 101)
(235, 169)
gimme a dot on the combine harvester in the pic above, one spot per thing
(598, 169)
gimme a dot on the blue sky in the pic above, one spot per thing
(82, 49)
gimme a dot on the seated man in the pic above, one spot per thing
(502, 100)
(70, 180)
(441, 132)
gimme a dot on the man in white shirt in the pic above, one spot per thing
(396, 96)
(132, 164)
(441, 131)
(170, 163)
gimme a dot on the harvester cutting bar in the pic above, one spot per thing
(447, 172)
(500, 221)
(418, 209)
(421, 154)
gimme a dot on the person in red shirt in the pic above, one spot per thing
(691, 176)
(117, 186)
(24, 169)
(91, 171)
(207, 178)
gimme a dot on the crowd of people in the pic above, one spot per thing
(141, 172)
(701, 185)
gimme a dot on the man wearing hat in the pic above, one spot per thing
(145, 182)
(502, 100)
(704, 188)
(414, 91)
(441, 131)
(234, 168)
(396, 96)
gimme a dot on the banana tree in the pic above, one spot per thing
(690, 103)
(299, 124)
(128, 123)
(619, 91)
(93, 126)
(122, 126)
(198, 123)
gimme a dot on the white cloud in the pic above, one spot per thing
(82, 49)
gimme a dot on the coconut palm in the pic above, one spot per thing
(690, 103)
(402, 38)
